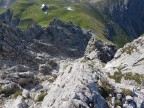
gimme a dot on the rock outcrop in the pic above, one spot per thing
(125, 71)
(130, 58)
(7, 17)
(70, 91)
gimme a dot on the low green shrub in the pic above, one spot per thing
(17, 93)
(126, 91)
(41, 97)
(117, 76)
(105, 89)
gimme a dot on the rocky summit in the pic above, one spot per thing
(66, 66)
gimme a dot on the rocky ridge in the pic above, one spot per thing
(128, 14)
(60, 66)
(37, 62)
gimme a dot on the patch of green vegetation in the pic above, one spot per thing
(83, 60)
(103, 65)
(126, 92)
(41, 97)
(17, 93)
(2, 10)
(105, 89)
(51, 78)
(118, 102)
(129, 49)
(128, 76)
(117, 76)
(120, 37)
(138, 78)
(9, 93)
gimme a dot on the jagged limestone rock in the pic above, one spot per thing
(72, 89)
(130, 58)
(25, 93)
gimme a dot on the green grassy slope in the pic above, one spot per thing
(85, 15)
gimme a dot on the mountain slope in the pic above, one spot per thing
(114, 20)
(128, 14)
(87, 15)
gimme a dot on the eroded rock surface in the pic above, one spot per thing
(56, 67)
(130, 58)
(43, 66)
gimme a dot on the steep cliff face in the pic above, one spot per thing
(129, 14)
